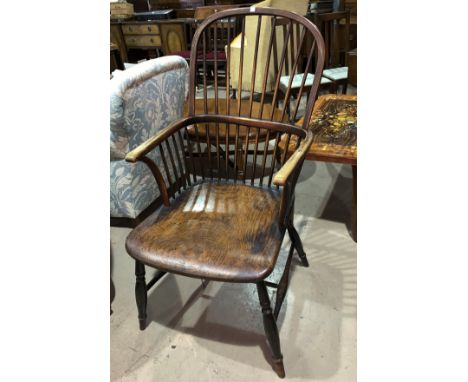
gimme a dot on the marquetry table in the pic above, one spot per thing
(334, 125)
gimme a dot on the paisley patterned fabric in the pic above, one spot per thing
(143, 100)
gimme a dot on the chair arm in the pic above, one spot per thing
(140, 151)
(291, 164)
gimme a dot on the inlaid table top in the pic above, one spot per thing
(334, 125)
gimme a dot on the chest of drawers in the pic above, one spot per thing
(168, 36)
(142, 35)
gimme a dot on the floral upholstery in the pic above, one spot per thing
(143, 100)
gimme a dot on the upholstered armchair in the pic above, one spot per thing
(144, 99)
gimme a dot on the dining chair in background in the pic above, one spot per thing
(334, 27)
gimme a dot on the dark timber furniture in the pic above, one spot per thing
(115, 59)
(334, 27)
(167, 36)
(221, 220)
(334, 127)
(352, 67)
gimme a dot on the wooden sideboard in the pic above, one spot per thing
(168, 36)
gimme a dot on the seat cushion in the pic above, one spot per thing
(209, 55)
(220, 55)
(220, 231)
(336, 74)
(183, 53)
(297, 80)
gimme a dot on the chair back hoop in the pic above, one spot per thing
(256, 60)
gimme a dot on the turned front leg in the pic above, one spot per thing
(141, 293)
(271, 330)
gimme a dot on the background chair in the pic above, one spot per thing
(334, 27)
(225, 215)
(200, 14)
(144, 99)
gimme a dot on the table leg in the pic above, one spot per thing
(354, 206)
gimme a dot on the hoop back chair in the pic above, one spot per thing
(225, 211)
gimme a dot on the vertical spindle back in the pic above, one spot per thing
(237, 113)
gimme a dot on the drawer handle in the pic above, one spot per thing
(151, 40)
(130, 29)
(149, 29)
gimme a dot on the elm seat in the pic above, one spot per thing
(239, 225)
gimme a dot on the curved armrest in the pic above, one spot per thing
(140, 151)
(288, 168)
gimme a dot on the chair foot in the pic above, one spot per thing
(141, 295)
(278, 367)
(297, 242)
(271, 330)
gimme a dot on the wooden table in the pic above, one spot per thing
(334, 125)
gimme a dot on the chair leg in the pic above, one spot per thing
(271, 330)
(141, 293)
(283, 284)
(297, 242)
(345, 87)
(354, 206)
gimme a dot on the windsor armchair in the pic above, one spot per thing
(224, 219)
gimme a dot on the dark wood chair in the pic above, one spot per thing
(334, 27)
(225, 215)
(200, 14)
(299, 78)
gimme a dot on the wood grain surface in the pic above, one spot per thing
(334, 128)
(220, 231)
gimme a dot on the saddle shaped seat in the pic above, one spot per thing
(214, 230)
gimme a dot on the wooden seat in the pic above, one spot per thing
(239, 222)
(227, 188)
